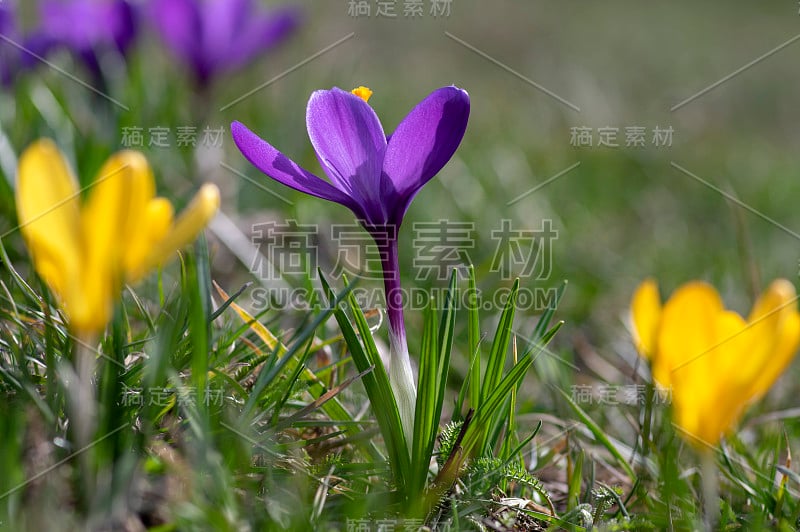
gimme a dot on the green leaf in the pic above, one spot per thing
(473, 341)
(425, 420)
(437, 344)
(484, 415)
(574, 482)
(375, 382)
(497, 354)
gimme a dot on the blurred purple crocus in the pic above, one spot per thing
(87, 28)
(214, 36)
(376, 177)
(9, 54)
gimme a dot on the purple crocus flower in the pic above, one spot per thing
(9, 54)
(88, 28)
(213, 36)
(376, 177)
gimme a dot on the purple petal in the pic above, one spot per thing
(178, 23)
(350, 144)
(37, 45)
(85, 25)
(261, 31)
(218, 35)
(6, 18)
(9, 55)
(221, 28)
(423, 143)
(276, 165)
(126, 25)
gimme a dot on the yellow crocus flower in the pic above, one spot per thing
(713, 362)
(86, 250)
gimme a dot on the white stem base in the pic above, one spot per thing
(708, 471)
(401, 378)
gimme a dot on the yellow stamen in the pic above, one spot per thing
(362, 92)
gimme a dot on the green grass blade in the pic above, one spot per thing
(599, 434)
(425, 419)
(497, 355)
(375, 382)
(485, 414)
(437, 345)
(547, 315)
(473, 341)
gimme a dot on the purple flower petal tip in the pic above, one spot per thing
(214, 36)
(279, 167)
(87, 25)
(424, 141)
(374, 175)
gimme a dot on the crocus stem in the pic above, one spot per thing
(708, 472)
(82, 404)
(82, 393)
(401, 376)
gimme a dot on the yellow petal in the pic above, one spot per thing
(142, 189)
(188, 225)
(116, 204)
(687, 347)
(720, 376)
(645, 317)
(756, 353)
(110, 220)
(755, 369)
(775, 325)
(687, 331)
(156, 223)
(780, 293)
(705, 402)
(48, 212)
